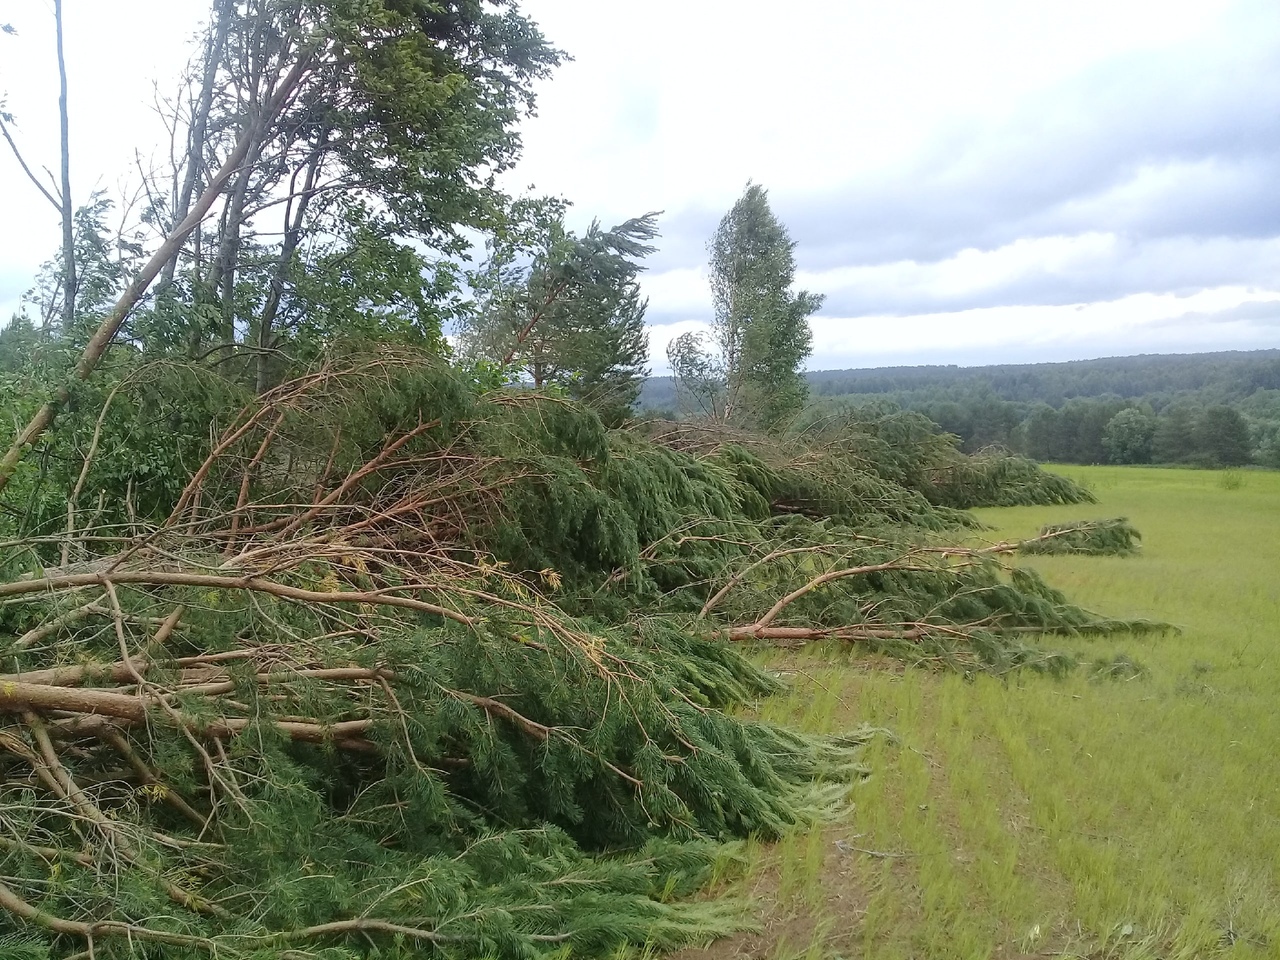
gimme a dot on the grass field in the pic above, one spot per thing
(1085, 817)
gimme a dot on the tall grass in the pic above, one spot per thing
(1111, 814)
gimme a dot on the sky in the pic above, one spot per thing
(966, 181)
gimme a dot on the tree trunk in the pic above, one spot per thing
(293, 220)
(229, 249)
(68, 210)
(199, 126)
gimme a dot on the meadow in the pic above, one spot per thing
(1130, 810)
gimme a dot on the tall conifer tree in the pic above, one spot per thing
(574, 317)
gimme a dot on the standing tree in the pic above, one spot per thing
(1221, 435)
(700, 375)
(573, 316)
(392, 136)
(1174, 440)
(1127, 436)
(761, 328)
(18, 340)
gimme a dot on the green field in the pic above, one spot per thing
(1096, 816)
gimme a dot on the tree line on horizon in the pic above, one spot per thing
(1212, 409)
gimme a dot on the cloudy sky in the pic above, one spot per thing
(967, 181)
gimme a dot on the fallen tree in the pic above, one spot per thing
(399, 666)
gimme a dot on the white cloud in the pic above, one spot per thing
(1221, 318)
(961, 177)
(678, 107)
(969, 272)
(118, 56)
(684, 290)
(1051, 332)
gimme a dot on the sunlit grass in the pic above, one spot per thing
(1081, 817)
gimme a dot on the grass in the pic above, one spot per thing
(1101, 817)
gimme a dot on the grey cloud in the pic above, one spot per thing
(1177, 265)
(1183, 339)
(1183, 334)
(1168, 150)
(1255, 313)
(657, 317)
(684, 239)
(1043, 171)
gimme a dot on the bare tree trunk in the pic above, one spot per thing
(552, 295)
(199, 125)
(194, 329)
(255, 94)
(68, 210)
(229, 248)
(293, 221)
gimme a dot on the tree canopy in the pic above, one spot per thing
(1060, 412)
(572, 316)
(750, 371)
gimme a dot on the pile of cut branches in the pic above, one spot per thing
(404, 668)
(303, 715)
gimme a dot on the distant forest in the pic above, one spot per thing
(1213, 409)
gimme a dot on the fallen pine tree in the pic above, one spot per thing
(400, 667)
(1116, 537)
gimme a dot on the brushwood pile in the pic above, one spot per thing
(388, 663)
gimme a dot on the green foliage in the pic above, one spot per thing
(573, 318)
(1174, 439)
(1222, 436)
(907, 449)
(700, 376)
(1075, 433)
(367, 285)
(346, 219)
(1116, 537)
(1214, 377)
(324, 647)
(543, 756)
(19, 947)
(762, 327)
(1267, 445)
(1127, 436)
(18, 341)
(505, 759)
(752, 375)
(1059, 412)
(1215, 436)
(422, 100)
(996, 480)
(141, 426)
(104, 263)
